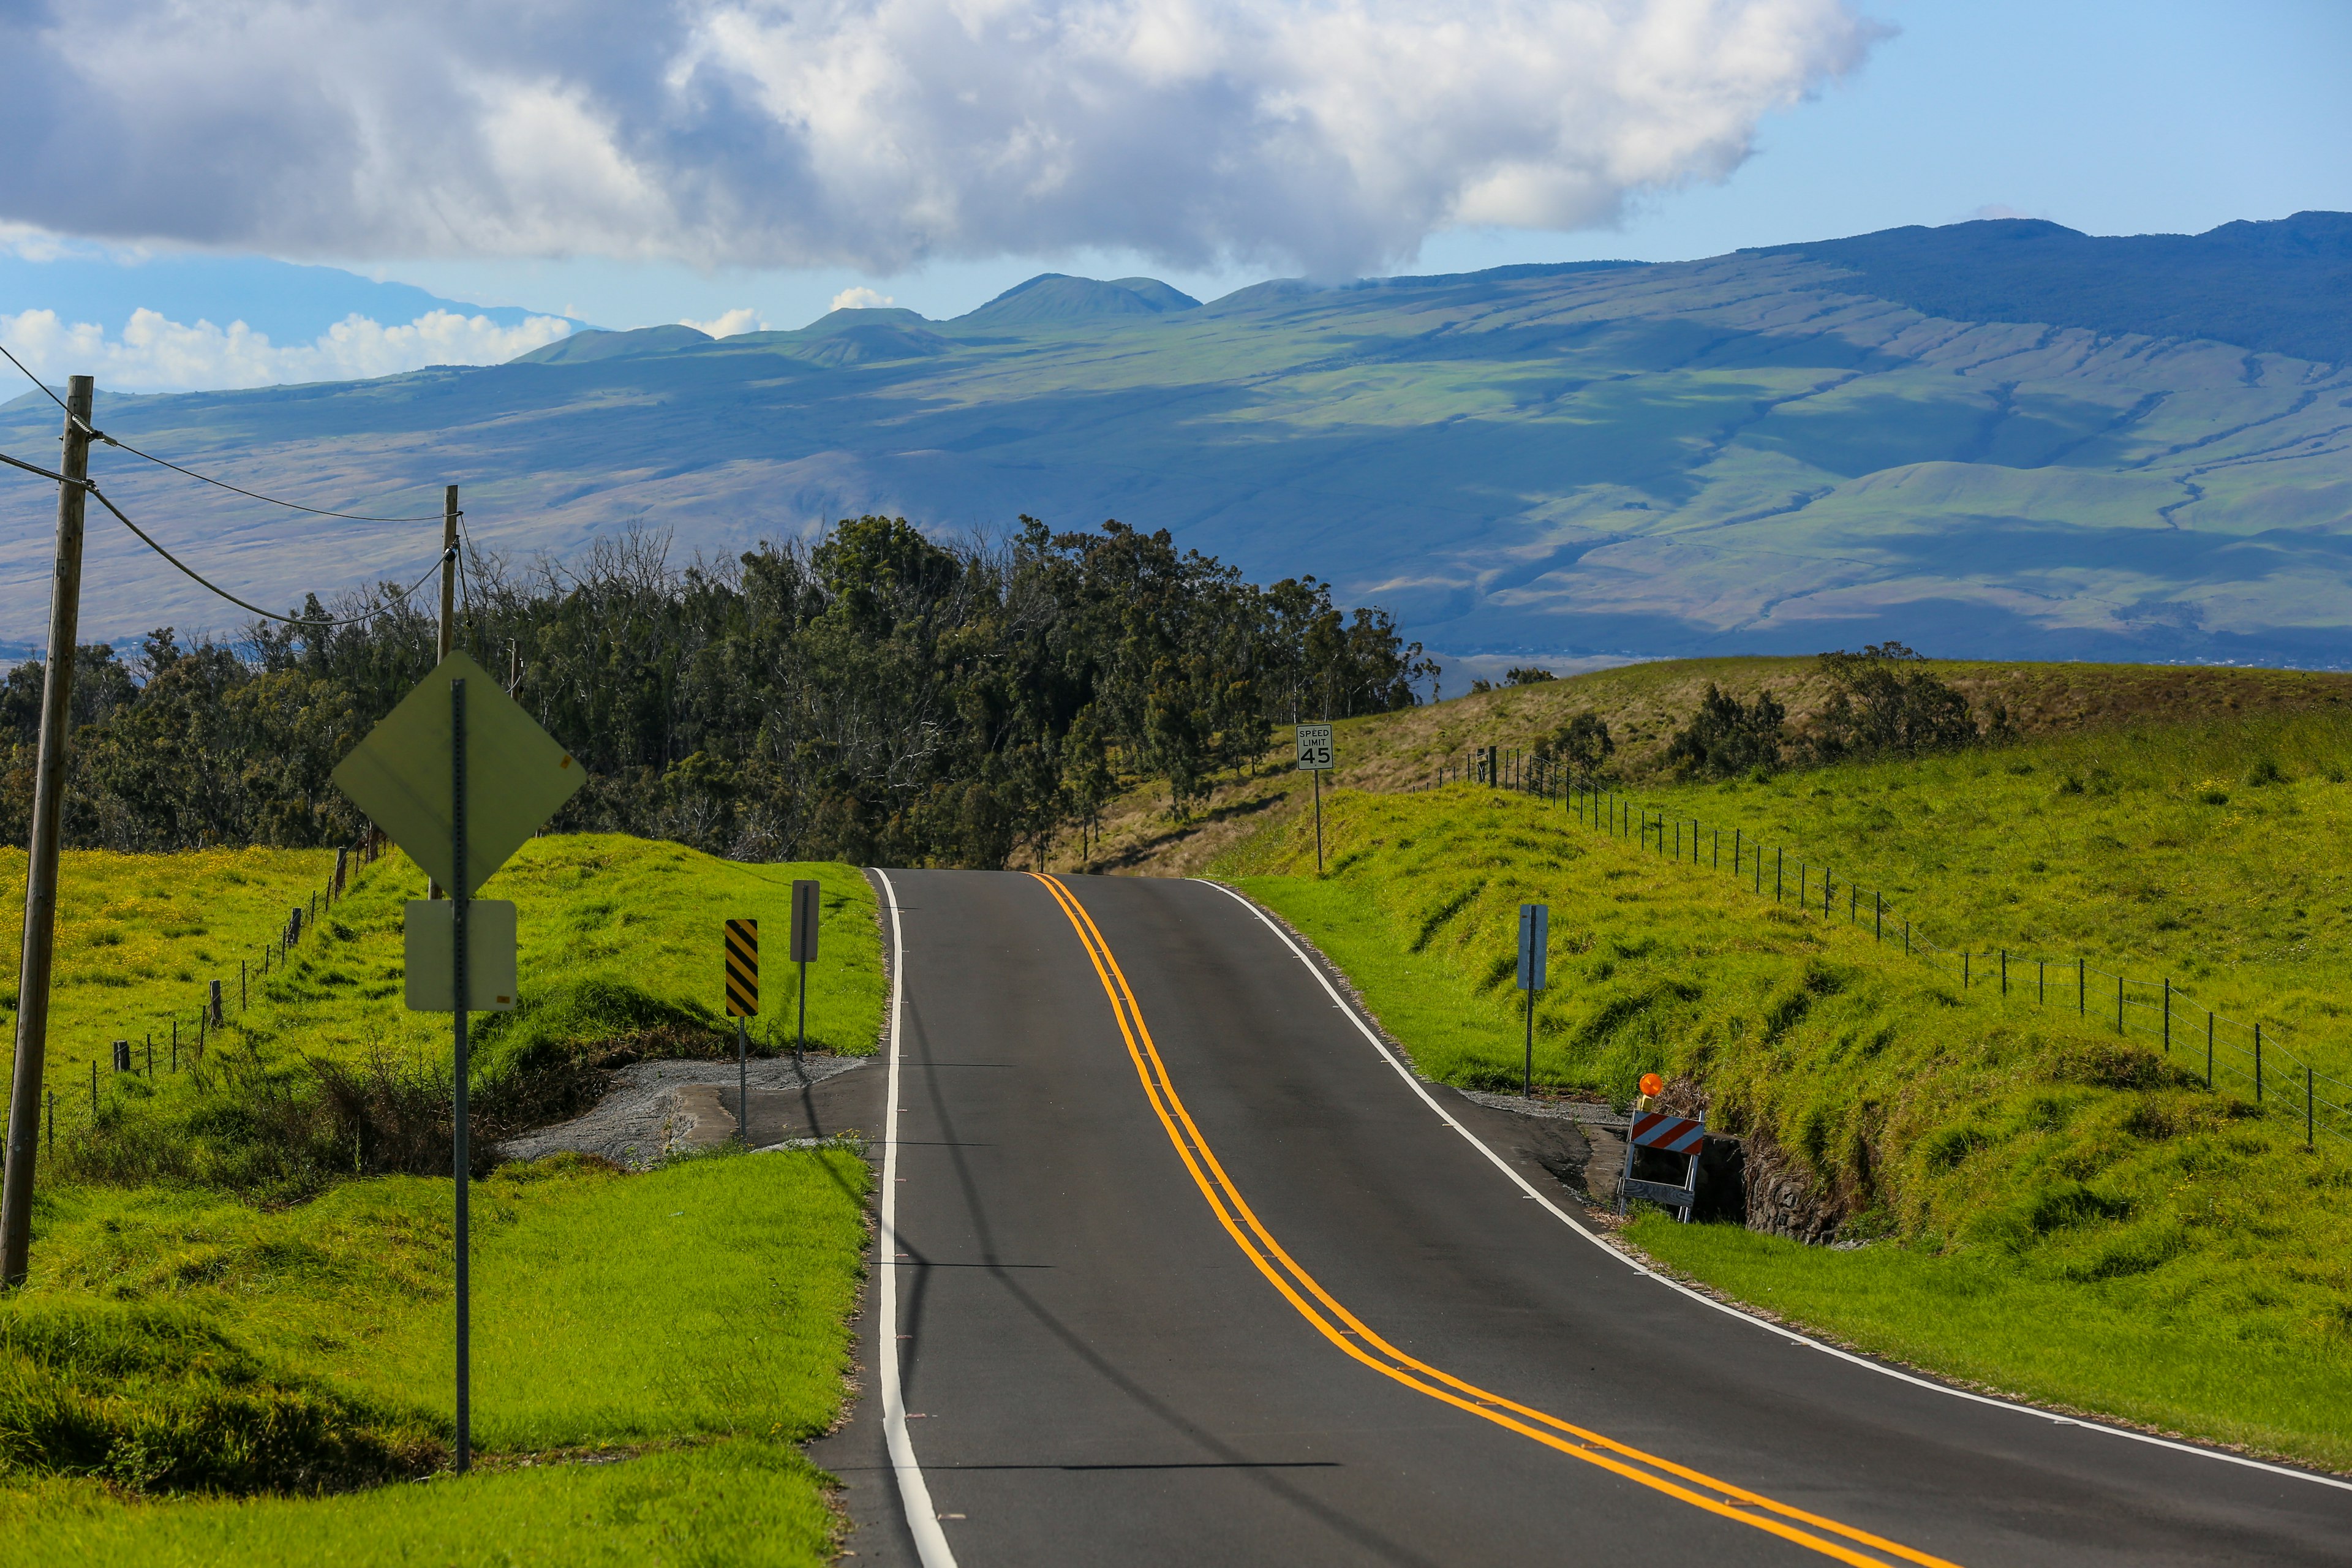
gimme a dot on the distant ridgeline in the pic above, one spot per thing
(878, 696)
(1997, 439)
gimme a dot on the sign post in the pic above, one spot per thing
(1315, 756)
(742, 944)
(459, 776)
(807, 908)
(1535, 935)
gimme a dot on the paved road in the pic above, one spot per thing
(1202, 1278)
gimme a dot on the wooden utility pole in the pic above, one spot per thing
(41, 869)
(448, 571)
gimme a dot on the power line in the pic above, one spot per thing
(197, 577)
(256, 495)
(33, 467)
(165, 462)
(44, 386)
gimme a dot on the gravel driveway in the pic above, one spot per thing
(660, 1107)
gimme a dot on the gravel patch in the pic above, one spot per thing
(658, 1109)
(1577, 1111)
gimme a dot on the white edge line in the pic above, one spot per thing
(1790, 1335)
(914, 1492)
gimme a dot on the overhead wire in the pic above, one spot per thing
(201, 580)
(97, 435)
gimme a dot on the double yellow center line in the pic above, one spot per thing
(1348, 1333)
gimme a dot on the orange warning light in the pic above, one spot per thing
(1653, 1084)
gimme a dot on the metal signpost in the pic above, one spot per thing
(806, 910)
(1535, 936)
(743, 946)
(1315, 756)
(459, 776)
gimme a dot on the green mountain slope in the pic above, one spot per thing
(1764, 452)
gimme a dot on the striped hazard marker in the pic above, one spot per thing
(742, 969)
(1674, 1134)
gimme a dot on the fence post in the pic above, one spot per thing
(1777, 855)
(2041, 982)
(2307, 1081)
(2119, 1003)
(2082, 991)
(2167, 1014)
(2258, 1064)
(1879, 917)
(1906, 939)
(1717, 863)
(2004, 972)
(2209, 1050)
(1965, 956)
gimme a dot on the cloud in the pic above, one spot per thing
(859, 299)
(157, 355)
(741, 318)
(1329, 134)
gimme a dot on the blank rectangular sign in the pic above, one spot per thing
(808, 910)
(1535, 932)
(432, 955)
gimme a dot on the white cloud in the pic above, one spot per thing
(859, 298)
(741, 318)
(1333, 134)
(157, 355)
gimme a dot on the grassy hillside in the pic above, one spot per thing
(1761, 449)
(227, 1347)
(691, 1322)
(619, 938)
(1644, 704)
(2055, 1212)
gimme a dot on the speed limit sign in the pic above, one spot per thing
(1315, 746)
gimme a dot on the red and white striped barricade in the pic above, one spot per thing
(1684, 1135)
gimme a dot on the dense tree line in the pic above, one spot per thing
(877, 696)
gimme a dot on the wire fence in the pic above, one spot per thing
(184, 1038)
(2219, 1051)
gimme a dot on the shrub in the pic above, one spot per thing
(1725, 739)
(1883, 700)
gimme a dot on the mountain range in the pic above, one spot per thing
(1997, 438)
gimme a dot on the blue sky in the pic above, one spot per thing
(2106, 117)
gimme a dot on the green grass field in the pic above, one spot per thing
(648, 1348)
(2198, 852)
(208, 1365)
(619, 946)
(2056, 1212)
(140, 936)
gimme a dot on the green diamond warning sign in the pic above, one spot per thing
(402, 775)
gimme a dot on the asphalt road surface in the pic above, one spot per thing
(1187, 1269)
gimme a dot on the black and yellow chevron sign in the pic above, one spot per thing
(742, 969)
